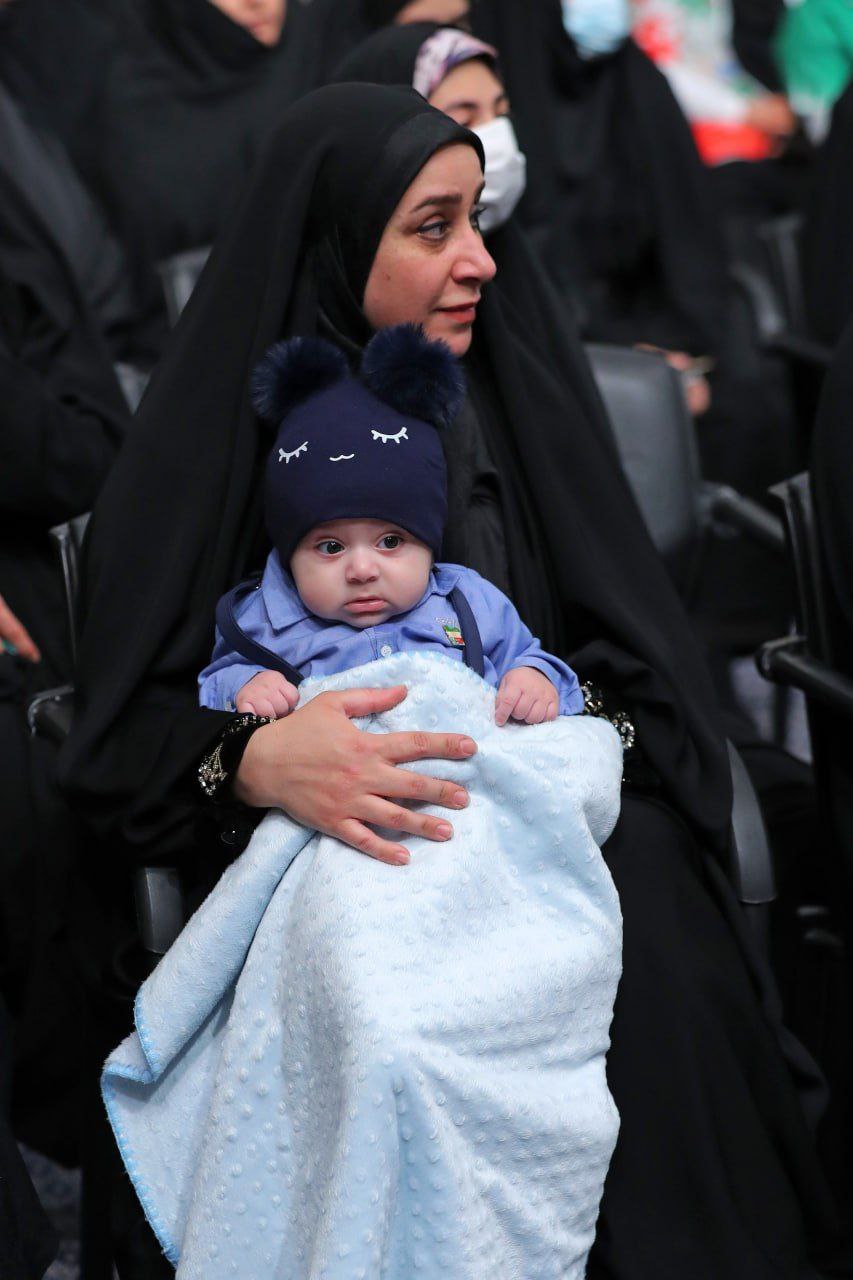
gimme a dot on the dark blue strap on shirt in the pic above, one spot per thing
(259, 656)
(234, 636)
(470, 632)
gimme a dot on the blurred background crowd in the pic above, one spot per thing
(683, 171)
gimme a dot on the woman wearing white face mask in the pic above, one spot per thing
(459, 75)
(597, 27)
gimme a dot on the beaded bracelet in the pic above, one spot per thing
(217, 768)
(594, 705)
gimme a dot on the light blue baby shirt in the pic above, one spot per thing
(273, 615)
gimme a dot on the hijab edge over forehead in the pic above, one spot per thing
(405, 153)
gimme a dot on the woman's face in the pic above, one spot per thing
(471, 94)
(431, 263)
(452, 13)
(264, 19)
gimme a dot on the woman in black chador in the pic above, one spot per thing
(62, 420)
(617, 199)
(827, 249)
(714, 1174)
(179, 98)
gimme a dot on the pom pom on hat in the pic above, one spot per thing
(417, 377)
(293, 370)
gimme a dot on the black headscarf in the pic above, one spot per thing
(179, 521)
(378, 13)
(386, 57)
(617, 199)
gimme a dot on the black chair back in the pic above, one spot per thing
(781, 240)
(656, 440)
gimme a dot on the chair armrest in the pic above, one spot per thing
(726, 504)
(767, 311)
(159, 907)
(49, 714)
(787, 661)
(752, 862)
(801, 348)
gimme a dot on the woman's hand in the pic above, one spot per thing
(697, 391)
(772, 114)
(327, 774)
(14, 637)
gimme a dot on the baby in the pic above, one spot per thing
(355, 502)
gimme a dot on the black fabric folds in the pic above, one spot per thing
(617, 199)
(179, 520)
(62, 420)
(832, 484)
(179, 102)
(754, 24)
(48, 215)
(828, 245)
(378, 13)
(386, 57)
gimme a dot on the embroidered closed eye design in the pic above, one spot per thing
(284, 456)
(402, 434)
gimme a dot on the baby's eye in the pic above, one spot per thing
(284, 456)
(330, 547)
(390, 542)
(402, 434)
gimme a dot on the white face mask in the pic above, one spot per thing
(506, 173)
(597, 26)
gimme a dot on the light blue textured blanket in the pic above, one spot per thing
(355, 1071)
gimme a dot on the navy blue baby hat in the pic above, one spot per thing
(362, 446)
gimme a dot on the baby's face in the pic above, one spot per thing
(360, 571)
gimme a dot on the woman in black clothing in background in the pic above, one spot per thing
(62, 421)
(166, 106)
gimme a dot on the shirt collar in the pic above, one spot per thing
(283, 602)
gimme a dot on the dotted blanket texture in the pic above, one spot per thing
(348, 1071)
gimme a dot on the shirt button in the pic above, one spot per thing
(386, 651)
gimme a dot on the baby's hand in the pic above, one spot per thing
(268, 694)
(525, 694)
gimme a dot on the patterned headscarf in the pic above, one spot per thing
(444, 51)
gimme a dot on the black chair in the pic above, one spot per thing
(157, 890)
(773, 287)
(656, 440)
(822, 997)
(655, 437)
(807, 659)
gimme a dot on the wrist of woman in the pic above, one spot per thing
(218, 770)
(253, 779)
